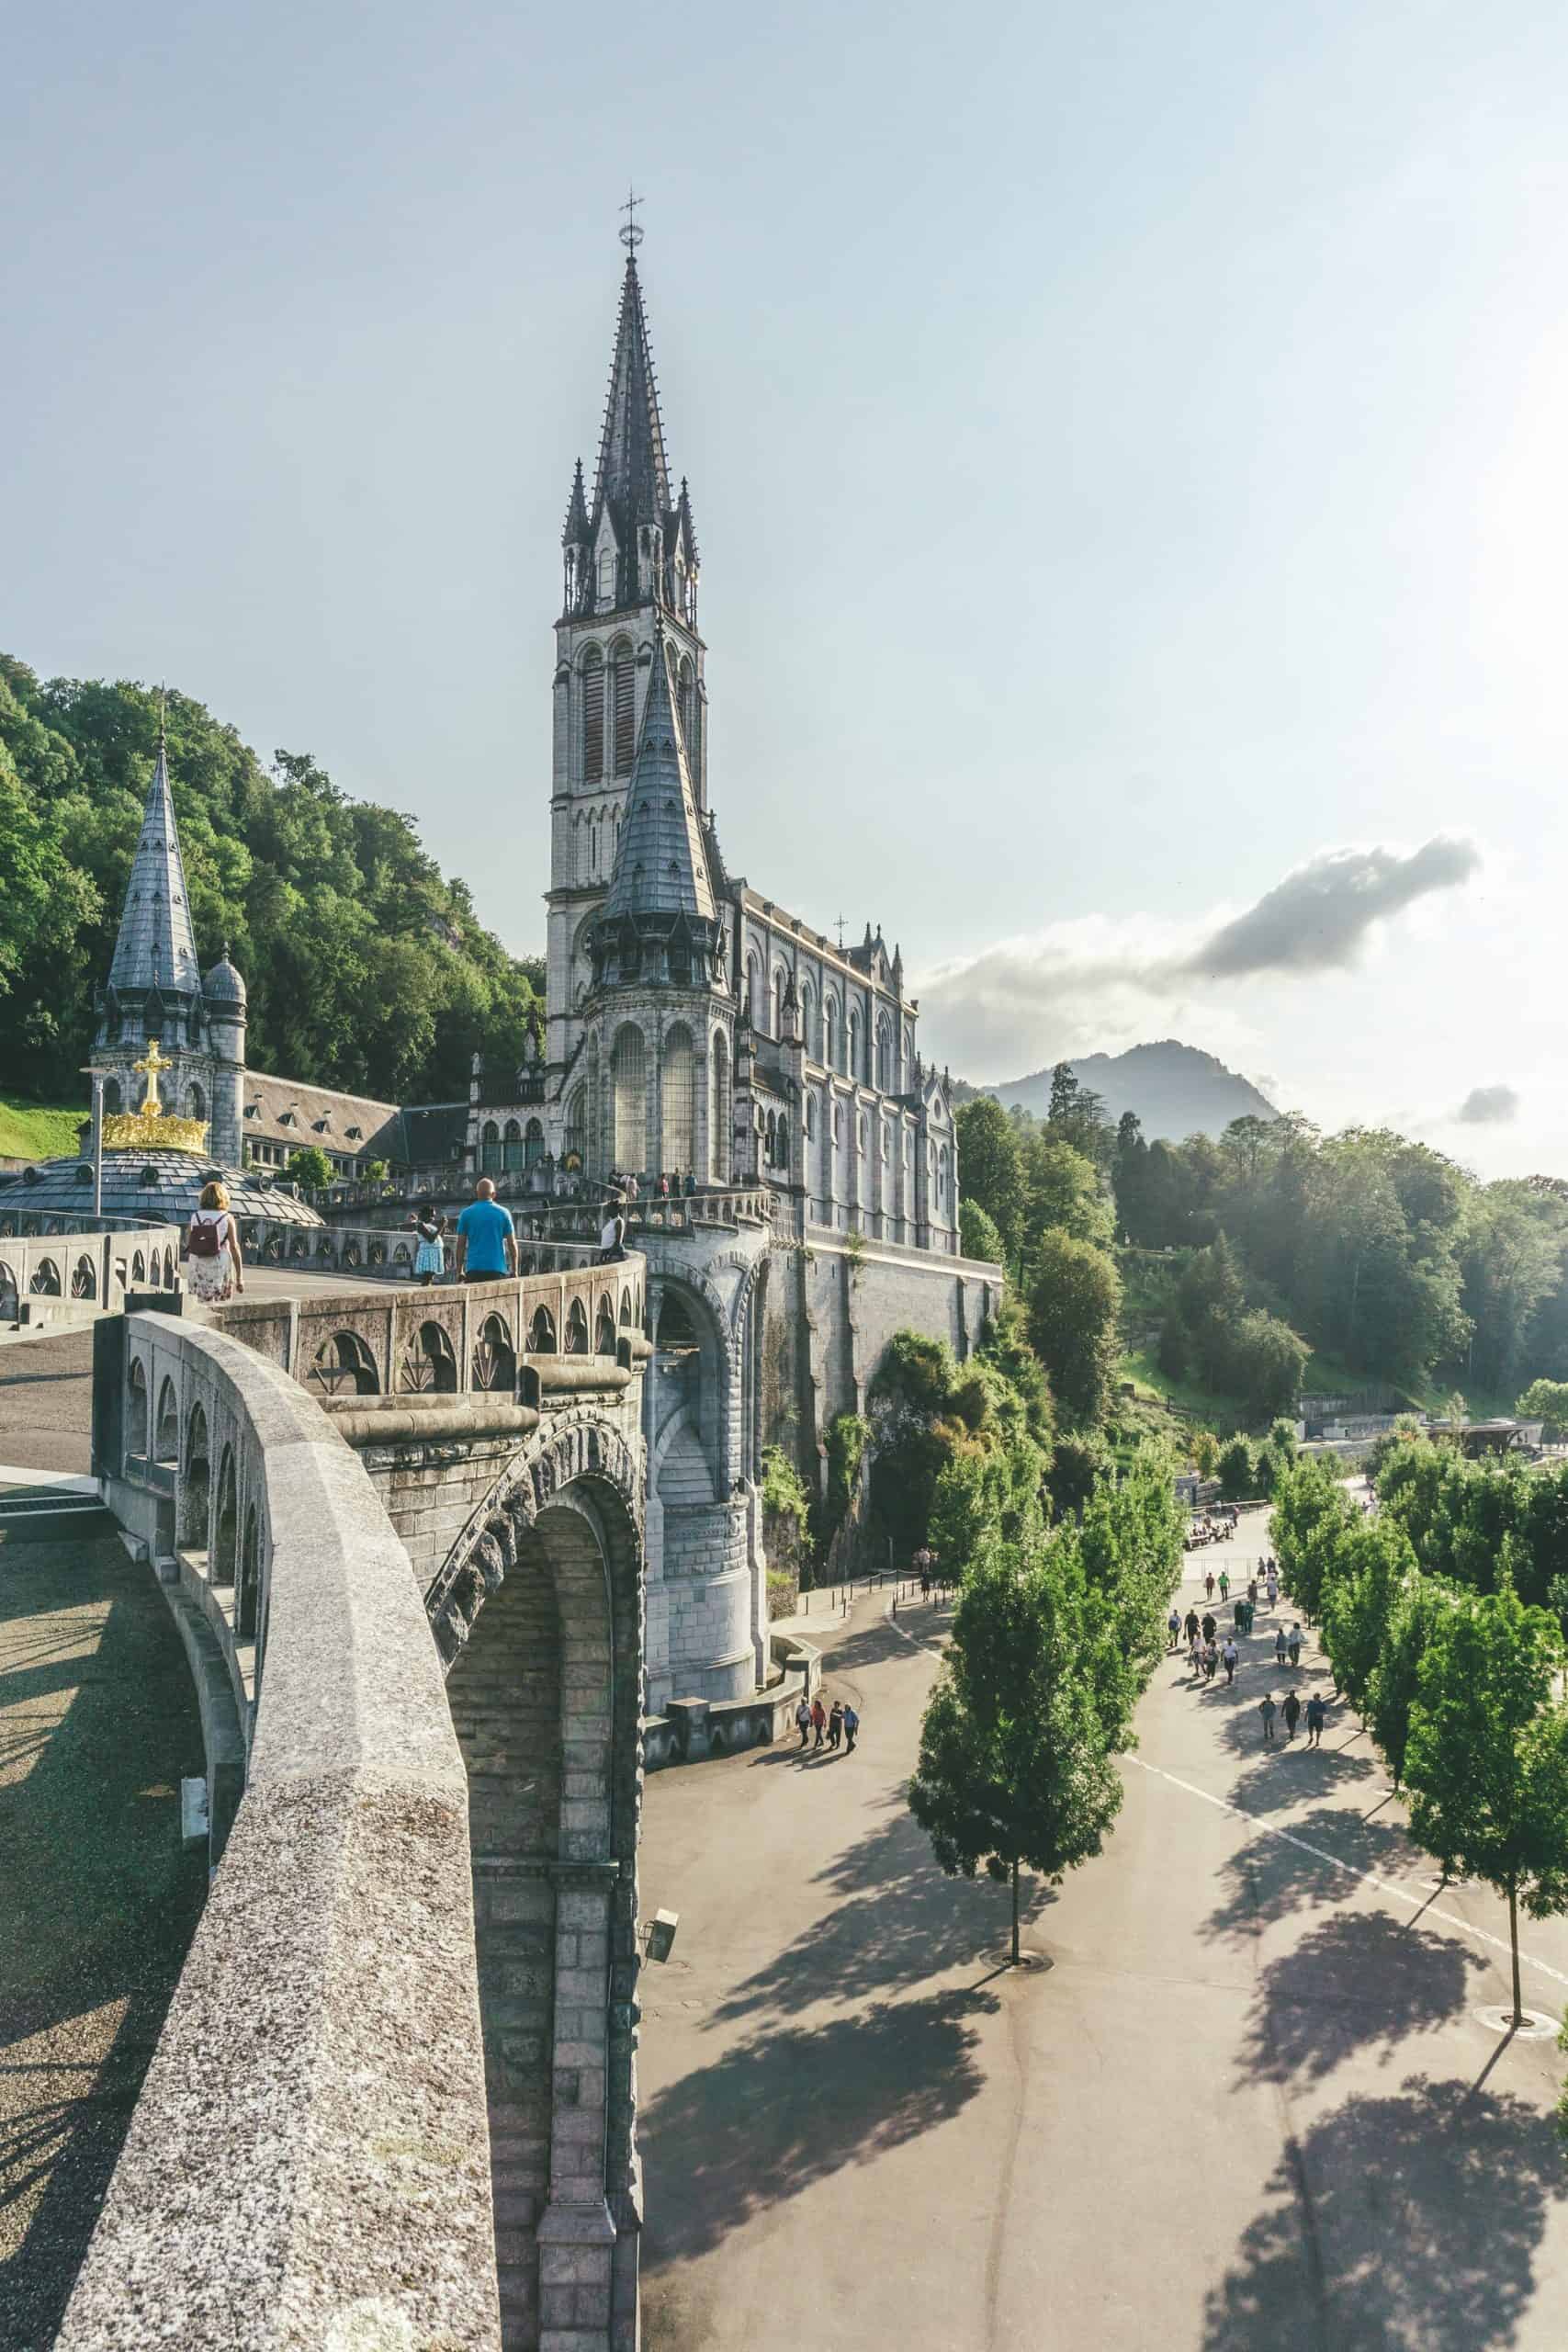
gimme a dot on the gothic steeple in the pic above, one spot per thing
(633, 479)
(660, 867)
(156, 947)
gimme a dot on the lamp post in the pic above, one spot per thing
(97, 1076)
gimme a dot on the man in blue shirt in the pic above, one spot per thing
(487, 1239)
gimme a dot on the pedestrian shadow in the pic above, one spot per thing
(1360, 1981)
(883, 1916)
(1405, 2224)
(785, 2108)
(1307, 1869)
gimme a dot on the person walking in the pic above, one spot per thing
(1194, 1651)
(214, 1267)
(1266, 1709)
(803, 1722)
(430, 1257)
(1209, 1628)
(1173, 1627)
(1191, 1624)
(1225, 1584)
(1209, 1585)
(1252, 1592)
(1279, 1646)
(1211, 1659)
(1292, 1708)
(487, 1239)
(852, 1726)
(1294, 1643)
(818, 1722)
(1316, 1713)
(1273, 1584)
(1230, 1655)
(836, 1724)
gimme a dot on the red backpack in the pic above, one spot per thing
(204, 1233)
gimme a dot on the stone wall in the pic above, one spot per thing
(854, 1300)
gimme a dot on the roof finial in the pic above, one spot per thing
(161, 701)
(631, 236)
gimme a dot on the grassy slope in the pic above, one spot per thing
(38, 1131)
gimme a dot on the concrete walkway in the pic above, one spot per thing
(99, 1897)
(1240, 2098)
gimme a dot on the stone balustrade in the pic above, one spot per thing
(307, 2164)
(90, 1265)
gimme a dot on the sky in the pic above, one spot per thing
(1126, 447)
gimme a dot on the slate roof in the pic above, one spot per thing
(284, 1111)
(633, 475)
(156, 947)
(661, 862)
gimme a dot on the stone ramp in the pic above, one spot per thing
(98, 1723)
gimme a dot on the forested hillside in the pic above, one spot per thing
(1373, 1249)
(367, 969)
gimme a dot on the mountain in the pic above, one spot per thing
(1175, 1090)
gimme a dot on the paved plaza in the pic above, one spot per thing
(1239, 2098)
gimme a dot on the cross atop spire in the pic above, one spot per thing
(156, 947)
(631, 236)
(633, 476)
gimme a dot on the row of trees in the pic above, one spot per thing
(1455, 1673)
(1055, 1634)
(366, 967)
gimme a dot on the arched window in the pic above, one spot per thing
(628, 1077)
(111, 1096)
(195, 1100)
(494, 1361)
(577, 1328)
(942, 1180)
(781, 984)
(855, 1069)
(542, 1333)
(719, 1107)
(592, 715)
(781, 1145)
(623, 672)
(829, 1031)
(489, 1149)
(679, 1097)
(606, 575)
(808, 1019)
(511, 1146)
(136, 1410)
(532, 1144)
(754, 989)
(571, 1140)
(885, 1055)
(810, 1117)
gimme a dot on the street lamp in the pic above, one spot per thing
(91, 1069)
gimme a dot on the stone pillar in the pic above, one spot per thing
(576, 2235)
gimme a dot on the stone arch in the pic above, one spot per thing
(577, 1328)
(511, 1145)
(225, 1526)
(430, 1363)
(195, 1100)
(495, 1358)
(345, 1367)
(542, 1333)
(136, 1409)
(166, 1430)
(690, 1382)
(138, 1269)
(489, 1149)
(10, 1297)
(532, 1144)
(678, 1099)
(195, 1487)
(604, 1326)
(84, 1277)
(538, 1618)
(45, 1283)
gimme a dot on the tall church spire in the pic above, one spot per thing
(633, 478)
(156, 947)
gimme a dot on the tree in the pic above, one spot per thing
(1014, 1767)
(1078, 1463)
(1545, 1400)
(1205, 1452)
(978, 1234)
(309, 1168)
(1074, 1303)
(1267, 1362)
(1313, 1517)
(1395, 1679)
(1372, 1565)
(1210, 1300)
(1237, 1470)
(991, 1167)
(1487, 1761)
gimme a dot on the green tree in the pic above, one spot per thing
(310, 1166)
(977, 1233)
(1014, 1767)
(1205, 1452)
(990, 1166)
(1065, 1194)
(1373, 1563)
(1237, 1470)
(1267, 1362)
(1313, 1518)
(1545, 1400)
(1394, 1681)
(1487, 1761)
(1210, 1300)
(1074, 1303)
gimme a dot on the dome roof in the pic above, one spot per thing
(161, 1185)
(223, 985)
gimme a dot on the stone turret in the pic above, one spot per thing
(225, 992)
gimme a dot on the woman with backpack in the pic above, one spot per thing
(214, 1266)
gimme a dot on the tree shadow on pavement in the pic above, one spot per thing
(1359, 1982)
(1407, 2224)
(1275, 1874)
(879, 1916)
(783, 2110)
(1290, 1772)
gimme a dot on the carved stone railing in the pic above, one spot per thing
(307, 2160)
(94, 1264)
(386, 1253)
